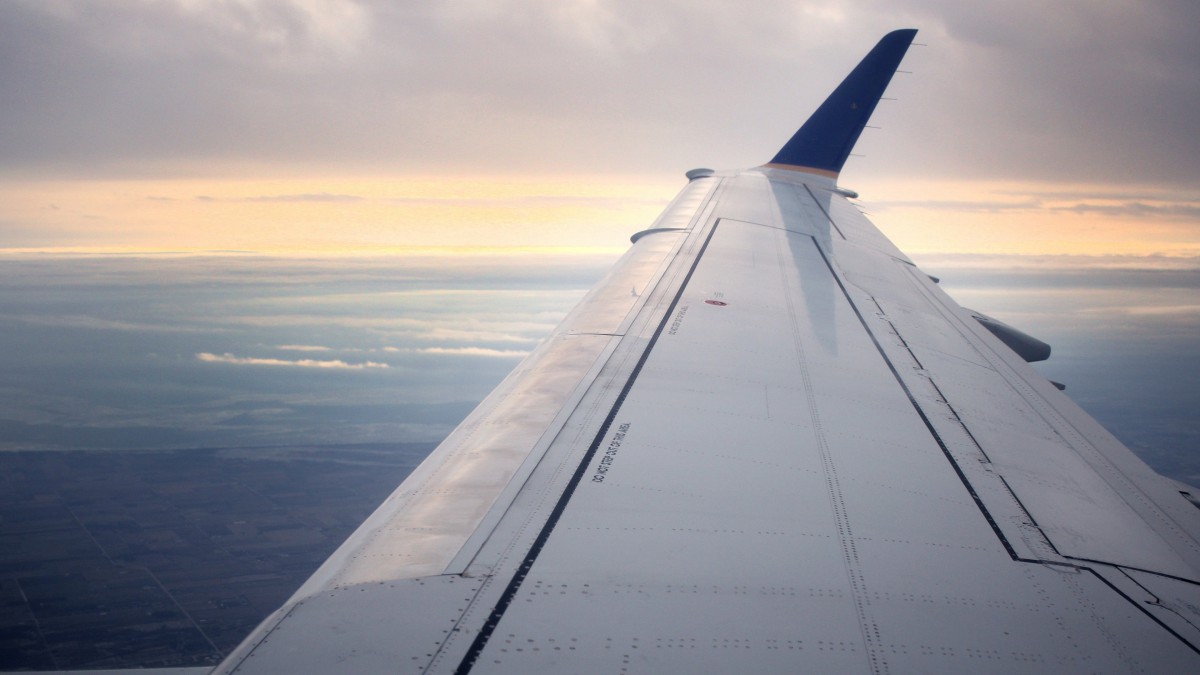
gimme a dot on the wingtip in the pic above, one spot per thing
(910, 33)
(825, 140)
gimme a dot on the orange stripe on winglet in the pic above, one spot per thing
(802, 169)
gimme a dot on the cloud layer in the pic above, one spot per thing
(298, 363)
(1098, 91)
(173, 352)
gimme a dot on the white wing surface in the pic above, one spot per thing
(787, 450)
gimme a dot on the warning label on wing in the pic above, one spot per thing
(678, 319)
(610, 453)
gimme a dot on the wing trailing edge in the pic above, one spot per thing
(824, 142)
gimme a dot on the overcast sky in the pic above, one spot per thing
(1053, 96)
(1024, 127)
(1090, 90)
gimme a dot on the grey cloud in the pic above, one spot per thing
(421, 273)
(337, 364)
(1090, 91)
(986, 206)
(1066, 273)
(1073, 90)
(417, 85)
(87, 322)
(1147, 208)
(462, 351)
(1055, 263)
(1136, 209)
(1144, 194)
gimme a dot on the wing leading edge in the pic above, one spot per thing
(788, 451)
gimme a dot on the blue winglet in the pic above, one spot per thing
(824, 142)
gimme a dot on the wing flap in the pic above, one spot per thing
(382, 627)
(1088, 496)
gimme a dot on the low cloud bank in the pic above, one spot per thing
(300, 363)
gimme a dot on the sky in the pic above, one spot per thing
(207, 207)
(1020, 127)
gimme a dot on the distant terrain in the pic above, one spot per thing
(153, 559)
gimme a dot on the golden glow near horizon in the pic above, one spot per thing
(335, 216)
(579, 214)
(1034, 219)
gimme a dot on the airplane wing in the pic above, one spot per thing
(766, 441)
